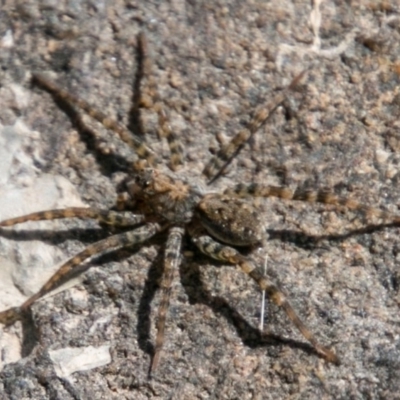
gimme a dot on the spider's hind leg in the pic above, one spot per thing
(129, 238)
(215, 250)
(171, 262)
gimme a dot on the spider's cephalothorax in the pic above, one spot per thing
(163, 201)
(163, 194)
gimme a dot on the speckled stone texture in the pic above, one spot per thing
(214, 62)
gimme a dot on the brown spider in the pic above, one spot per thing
(163, 201)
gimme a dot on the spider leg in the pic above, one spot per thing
(172, 258)
(175, 146)
(143, 151)
(130, 238)
(104, 216)
(228, 254)
(311, 196)
(217, 165)
(153, 101)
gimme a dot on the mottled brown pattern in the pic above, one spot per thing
(179, 206)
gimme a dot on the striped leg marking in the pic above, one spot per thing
(143, 151)
(218, 164)
(171, 263)
(311, 196)
(153, 101)
(228, 254)
(130, 238)
(104, 216)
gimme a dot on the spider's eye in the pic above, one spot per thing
(141, 182)
(144, 178)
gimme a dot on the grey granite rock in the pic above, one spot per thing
(214, 62)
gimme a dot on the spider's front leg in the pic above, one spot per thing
(141, 149)
(217, 165)
(150, 99)
(235, 221)
(129, 238)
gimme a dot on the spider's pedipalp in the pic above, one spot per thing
(171, 263)
(104, 216)
(220, 252)
(120, 240)
(217, 165)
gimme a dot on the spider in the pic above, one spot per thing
(159, 199)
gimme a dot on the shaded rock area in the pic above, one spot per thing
(214, 63)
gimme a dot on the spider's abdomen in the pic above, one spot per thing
(231, 220)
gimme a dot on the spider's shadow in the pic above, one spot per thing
(309, 242)
(30, 330)
(190, 277)
(249, 334)
(55, 238)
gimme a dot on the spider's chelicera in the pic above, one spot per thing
(217, 223)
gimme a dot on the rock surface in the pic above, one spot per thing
(214, 63)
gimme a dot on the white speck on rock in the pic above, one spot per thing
(381, 156)
(7, 41)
